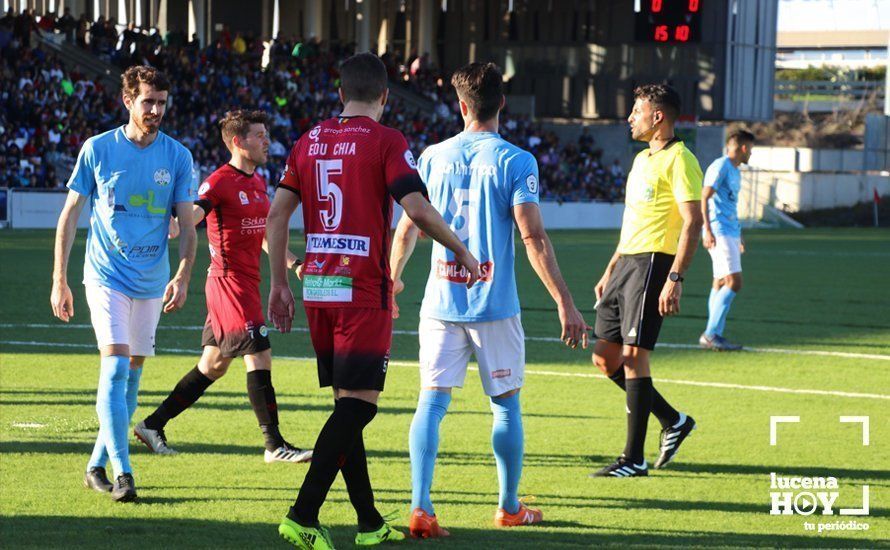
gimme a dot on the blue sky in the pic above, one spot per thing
(835, 15)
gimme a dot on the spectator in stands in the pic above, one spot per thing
(47, 22)
(43, 106)
(23, 26)
(82, 30)
(66, 25)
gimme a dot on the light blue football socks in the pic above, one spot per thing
(111, 406)
(423, 441)
(100, 455)
(507, 441)
(718, 309)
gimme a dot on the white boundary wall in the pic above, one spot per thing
(41, 209)
(801, 191)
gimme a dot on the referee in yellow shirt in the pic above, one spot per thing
(644, 279)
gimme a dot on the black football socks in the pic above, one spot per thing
(667, 415)
(358, 485)
(265, 407)
(188, 390)
(639, 405)
(335, 443)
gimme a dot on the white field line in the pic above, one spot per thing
(822, 353)
(415, 365)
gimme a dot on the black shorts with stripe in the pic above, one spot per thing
(628, 310)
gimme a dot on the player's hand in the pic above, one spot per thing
(669, 300)
(708, 240)
(281, 307)
(173, 229)
(62, 301)
(299, 272)
(472, 266)
(574, 328)
(175, 294)
(741, 245)
(601, 286)
(397, 287)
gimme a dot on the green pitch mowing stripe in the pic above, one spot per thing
(805, 291)
(219, 493)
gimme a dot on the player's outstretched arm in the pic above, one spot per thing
(669, 300)
(61, 299)
(281, 299)
(543, 259)
(177, 289)
(430, 222)
(403, 243)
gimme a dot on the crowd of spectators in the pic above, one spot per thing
(48, 110)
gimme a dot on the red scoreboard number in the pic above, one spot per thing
(668, 21)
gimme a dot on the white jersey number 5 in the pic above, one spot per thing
(329, 192)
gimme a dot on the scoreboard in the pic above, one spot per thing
(668, 21)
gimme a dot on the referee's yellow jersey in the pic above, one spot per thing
(655, 185)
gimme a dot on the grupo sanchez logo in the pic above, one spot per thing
(799, 495)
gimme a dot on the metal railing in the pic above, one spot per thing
(851, 89)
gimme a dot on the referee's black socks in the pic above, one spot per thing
(335, 444)
(667, 415)
(262, 398)
(639, 405)
(184, 394)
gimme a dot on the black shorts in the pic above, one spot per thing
(628, 310)
(235, 321)
(352, 346)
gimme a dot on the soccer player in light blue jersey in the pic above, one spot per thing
(722, 235)
(482, 185)
(133, 177)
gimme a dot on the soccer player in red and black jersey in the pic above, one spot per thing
(234, 201)
(346, 171)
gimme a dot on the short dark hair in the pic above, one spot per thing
(661, 96)
(481, 87)
(143, 74)
(237, 123)
(740, 136)
(363, 78)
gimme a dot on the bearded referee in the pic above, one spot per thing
(644, 279)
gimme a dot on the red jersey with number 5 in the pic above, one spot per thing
(347, 171)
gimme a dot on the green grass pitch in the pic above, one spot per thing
(818, 299)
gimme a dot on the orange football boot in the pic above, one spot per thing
(425, 526)
(524, 516)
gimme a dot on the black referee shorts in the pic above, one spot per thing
(628, 310)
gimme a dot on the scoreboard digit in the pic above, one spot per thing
(667, 21)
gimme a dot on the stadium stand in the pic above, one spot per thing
(49, 109)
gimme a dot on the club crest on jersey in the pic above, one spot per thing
(314, 133)
(532, 182)
(243, 197)
(409, 158)
(344, 260)
(204, 188)
(162, 176)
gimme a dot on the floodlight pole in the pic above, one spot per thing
(887, 80)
